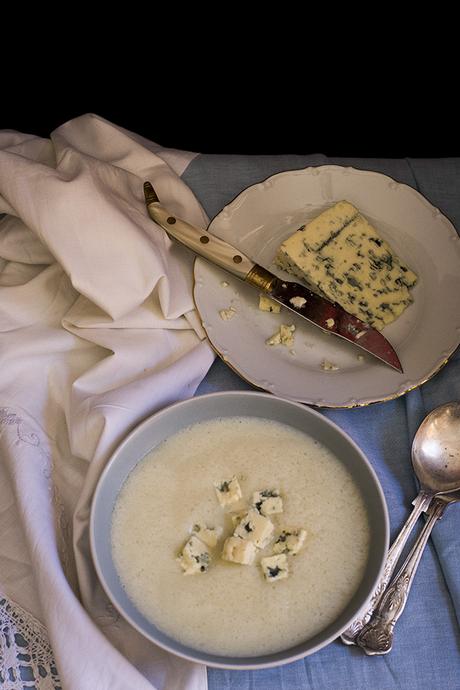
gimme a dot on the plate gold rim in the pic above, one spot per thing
(329, 406)
(234, 367)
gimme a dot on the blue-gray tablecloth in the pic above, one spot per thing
(426, 651)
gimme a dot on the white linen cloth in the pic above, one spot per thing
(97, 330)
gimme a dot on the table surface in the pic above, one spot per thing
(426, 650)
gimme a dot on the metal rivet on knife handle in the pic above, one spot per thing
(204, 239)
(237, 259)
(171, 220)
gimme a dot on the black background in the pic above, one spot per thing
(258, 128)
(261, 106)
(248, 129)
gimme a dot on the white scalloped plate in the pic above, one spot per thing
(261, 217)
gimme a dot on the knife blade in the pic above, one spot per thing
(327, 315)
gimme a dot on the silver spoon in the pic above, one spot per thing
(436, 462)
(376, 637)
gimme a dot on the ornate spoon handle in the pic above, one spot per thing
(376, 637)
(420, 503)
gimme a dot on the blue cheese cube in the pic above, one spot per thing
(268, 502)
(238, 550)
(194, 557)
(228, 492)
(208, 535)
(275, 568)
(237, 517)
(290, 541)
(256, 528)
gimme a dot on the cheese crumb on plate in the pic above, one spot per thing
(267, 304)
(329, 366)
(227, 314)
(298, 301)
(283, 336)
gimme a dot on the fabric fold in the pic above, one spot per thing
(98, 330)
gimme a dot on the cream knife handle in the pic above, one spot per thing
(212, 248)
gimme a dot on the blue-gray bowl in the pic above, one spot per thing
(162, 425)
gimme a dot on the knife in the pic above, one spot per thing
(329, 316)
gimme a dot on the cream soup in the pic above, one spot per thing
(231, 609)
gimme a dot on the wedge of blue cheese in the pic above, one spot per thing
(195, 557)
(340, 255)
(290, 542)
(275, 567)
(267, 502)
(256, 528)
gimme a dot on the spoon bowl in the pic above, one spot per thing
(436, 450)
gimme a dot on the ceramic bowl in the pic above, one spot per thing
(162, 425)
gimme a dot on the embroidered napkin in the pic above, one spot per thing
(97, 330)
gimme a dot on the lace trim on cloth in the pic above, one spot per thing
(26, 657)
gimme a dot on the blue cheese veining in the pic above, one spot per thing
(290, 541)
(275, 567)
(268, 502)
(340, 255)
(256, 528)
